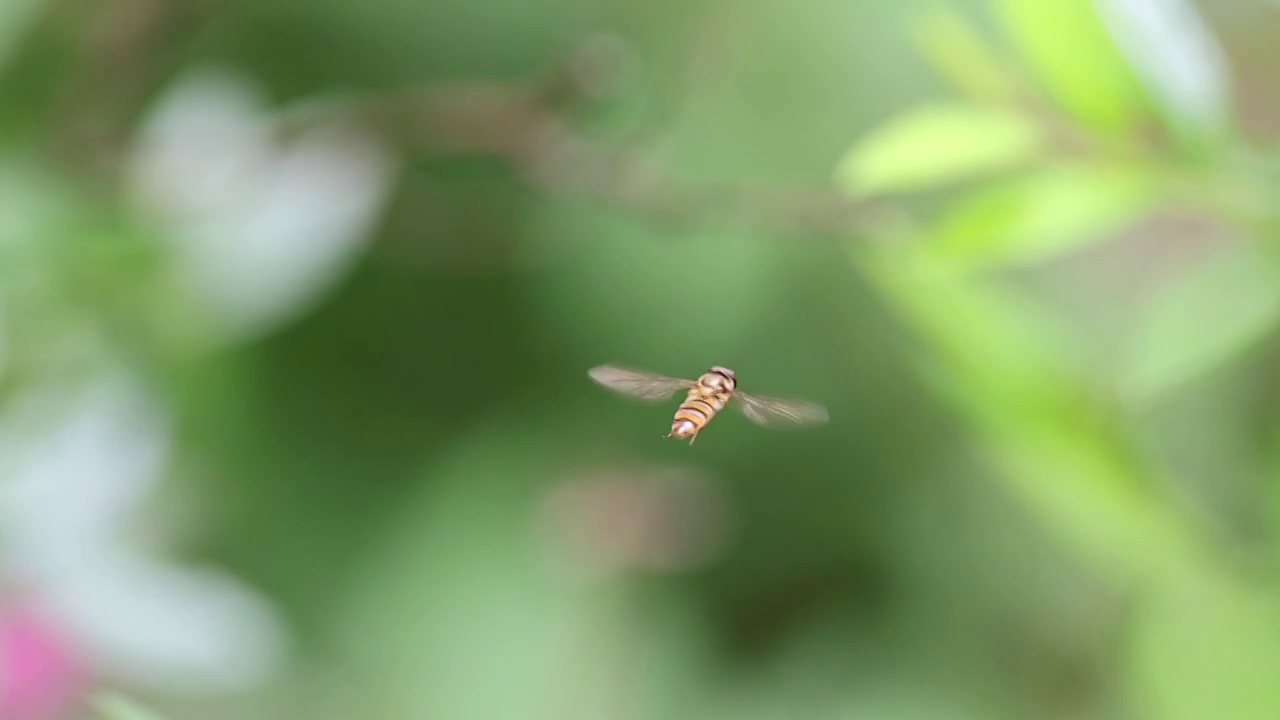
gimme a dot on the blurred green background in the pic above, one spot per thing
(297, 301)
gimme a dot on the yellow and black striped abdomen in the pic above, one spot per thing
(696, 411)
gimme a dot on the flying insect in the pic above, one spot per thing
(706, 396)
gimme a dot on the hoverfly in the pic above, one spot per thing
(705, 397)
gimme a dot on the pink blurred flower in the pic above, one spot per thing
(41, 675)
(79, 467)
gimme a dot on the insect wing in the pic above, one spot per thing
(772, 411)
(638, 383)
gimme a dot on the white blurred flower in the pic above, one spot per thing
(76, 470)
(261, 227)
(1172, 49)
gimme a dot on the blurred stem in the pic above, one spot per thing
(127, 48)
(524, 125)
(1055, 444)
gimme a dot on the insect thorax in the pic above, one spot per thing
(716, 380)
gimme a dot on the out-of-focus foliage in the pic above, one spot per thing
(297, 301)
(938, 144)
(116, 707)
(1208, 316)
(1202, 638)
(1053, 210)
(1066, 46)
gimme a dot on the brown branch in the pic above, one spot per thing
(524, 125)
(124, 55)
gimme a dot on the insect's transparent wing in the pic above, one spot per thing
(638, 383)
(772, 411)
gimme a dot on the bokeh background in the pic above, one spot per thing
(297, 300)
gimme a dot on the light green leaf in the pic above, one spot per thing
(455, 618)
(1055, 210)
(1214, 313)
(937, 144)
(957, 52)
(466, 611)
(1067, 46)
(1205, 646)
(1002, 367)
(112, 706)
(16, 16)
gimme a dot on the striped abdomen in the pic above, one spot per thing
(707, 397)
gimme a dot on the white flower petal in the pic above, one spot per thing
(262, 228)
(262, 264)
(1176, 55)
(203, 150)
(184, 631)
(73, 478)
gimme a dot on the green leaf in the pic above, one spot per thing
(467, 611)
(16, 17)
(111, 706)
(1007, 371)
(1205, 646)
(1211, 315)
(1050, 212)
(937, 144)
(1067, 46)
(958, 53)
